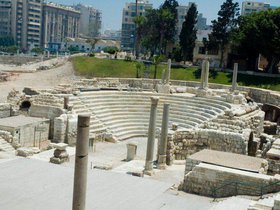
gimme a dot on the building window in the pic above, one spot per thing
(201, 50)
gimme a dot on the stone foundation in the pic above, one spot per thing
(218, 181)
(181, 144)
(5, 110)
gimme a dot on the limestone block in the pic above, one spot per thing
(131, 151)
(25, 152)
(5, 110)
(60, 146)
(105, 167)
(277, 203)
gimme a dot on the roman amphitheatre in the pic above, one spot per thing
(153, 144)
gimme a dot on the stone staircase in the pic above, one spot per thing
(96, 126)
(5, 146)
(126, 114)
(265, 203)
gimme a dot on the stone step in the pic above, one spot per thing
(106, 110)
(130, 134)
(109, 120)
(5, 146)
(178, 99)
(111, 103)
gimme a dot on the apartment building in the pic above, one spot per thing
(59, 23)
(90, 21)
(128, 25)
(5, 17)
(26, 23)
(250, 6)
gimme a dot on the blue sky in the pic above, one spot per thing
(112, 9)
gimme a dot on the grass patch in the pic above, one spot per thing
(93, 67)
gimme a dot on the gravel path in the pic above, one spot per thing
(40, 79)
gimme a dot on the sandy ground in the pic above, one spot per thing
(40, 79)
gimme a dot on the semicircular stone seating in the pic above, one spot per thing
(126, 114)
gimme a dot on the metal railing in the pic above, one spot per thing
(257, 190)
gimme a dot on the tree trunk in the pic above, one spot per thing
(155, 73)
(161, 42)
(272, 66)
(222, 57)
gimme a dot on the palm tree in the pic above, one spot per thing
(139, 23)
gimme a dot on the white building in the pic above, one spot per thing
(90, 21)
(251, 6)
(128, 25)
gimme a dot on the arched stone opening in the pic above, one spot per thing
(25, 105)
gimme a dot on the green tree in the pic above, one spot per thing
(170, 21)
(258, 33)
(171, 5)
(151, 35)
(139, 68)
(157, 59)
(223, 26)
(188, 34)
(37, 50)
(160, 27)
(140, 23)
(111, 50)
(7, 41)
(92, 42)
(158, 30)
(11, 49)
(73, 49)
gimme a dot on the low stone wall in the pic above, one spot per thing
(5, 110)
(237, 124)
(18, 60)
(7, 136)
(204, 178)
(182, 144)
(48, 100)
(274, 166)
(65, 129)
(48, 112)
(259, 95)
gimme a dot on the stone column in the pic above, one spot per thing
(202, 75)
(66, 102)
(168, 71)
(151, 137)
(234, 77)
(163, 138)
(206, 74)
(48, 54)
(131, 151)
(81, 163)
(163, 77)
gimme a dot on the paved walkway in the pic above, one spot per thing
(38, 185)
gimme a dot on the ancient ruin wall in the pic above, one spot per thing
(259, 95)
(5, 110)
(204, 178)
(48, 112)
(185, 143)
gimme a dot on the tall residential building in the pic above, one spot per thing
(5, 17)
(59, 23)
(251, 6)
(26, 23)
(201, 22)
(128, 25)
(181, 14)
(90, 21)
